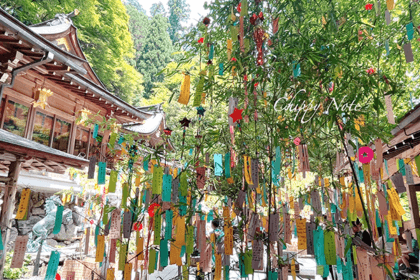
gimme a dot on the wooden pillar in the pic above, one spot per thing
(9, 205)
(413, 203)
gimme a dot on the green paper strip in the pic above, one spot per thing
(190, 240)
(146, 165)
(329, 248)
(248, 262)
(198, 92)
(157, 228)
(227, 165)
(244, 8)
(157, 179)
(101, 173)
(112, 139)
(122, 256)
(58, 219)
(113, 181)
(234, 33)
(124, 196)
(184, 184)
(152, 261)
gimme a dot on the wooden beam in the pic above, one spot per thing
(40, 154)
(413, 203)
(7, 156)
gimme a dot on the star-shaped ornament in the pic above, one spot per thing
(200, 111)
(236, 115)
(185, 122)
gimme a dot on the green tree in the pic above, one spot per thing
(157, 8)
(153, 47)
(179, 12)
(103, 34)
(136, 4)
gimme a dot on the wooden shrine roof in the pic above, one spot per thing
(35, 155)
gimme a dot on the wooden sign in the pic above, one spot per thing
(19, 251)
(310, 227)
(390, 112)
(127, 224)
(205, 258)
(254, 173)
(398, 181)
(363, 264)
(409, 175)
(316, 202)
(23, 204)
(257, 254)
(253, 225)
(201, 177)
(287, 228)
(87, 241)
(240, 199)
(115, 224)
(112, 250)
(201, 235)
(274, 227)
(175, 186)
(91, 170)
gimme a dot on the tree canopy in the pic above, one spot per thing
(103, 34)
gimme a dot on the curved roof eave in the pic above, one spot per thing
(21, 30)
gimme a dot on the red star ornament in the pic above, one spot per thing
(236, 115)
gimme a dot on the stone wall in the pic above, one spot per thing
(71, 230)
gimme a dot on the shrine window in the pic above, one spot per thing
(15, 118)
(81, 144)
(61, 135)
(43, 125)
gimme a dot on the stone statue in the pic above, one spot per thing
(43, 228)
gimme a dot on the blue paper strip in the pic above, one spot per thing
(211, 52)
(52, 265)
(101, 173)
(167, 187)
(95, 131)
(163, 251)
(218, 165)
(146, 165)
(168, 228)
(221, 69)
